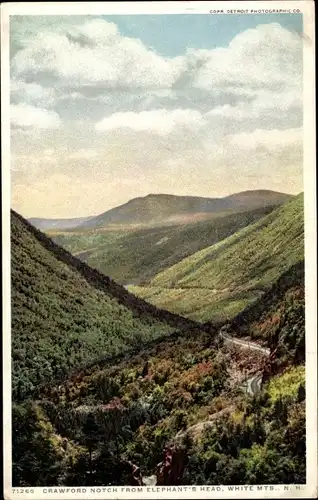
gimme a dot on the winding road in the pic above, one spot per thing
(253, 384)
(244, 343)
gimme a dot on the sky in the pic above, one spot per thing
(108, 108)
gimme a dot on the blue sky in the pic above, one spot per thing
(171, 35)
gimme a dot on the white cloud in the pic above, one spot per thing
(25, 116)
(268, 55)
(85, 68)
(266, 103)
(167, 121)
(158, 121)
(95, 52)
(270, 139)
(32, 93)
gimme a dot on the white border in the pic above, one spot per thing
(306, 7)
(133, 8)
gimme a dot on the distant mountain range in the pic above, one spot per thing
(135, 257)
(166, 208)
(155, 209)
(49, 224)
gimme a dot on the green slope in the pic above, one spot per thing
(65, 315)
(137, 256)
(233, 272)
(83, 243)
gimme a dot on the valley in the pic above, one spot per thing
(219, 281)
(131, 254)
(57, 224)
(201, 383)
(205, 270)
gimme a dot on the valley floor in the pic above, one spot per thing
(199, 304)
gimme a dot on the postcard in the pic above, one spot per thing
(159, 242)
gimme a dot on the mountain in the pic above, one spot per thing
(220, 280)
(170, 209)
(256, 198)
(65, 315)
(137, 256)
(49, 224)
(178, 412)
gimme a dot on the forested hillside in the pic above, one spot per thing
(219, 281)
(278, 318)
(65, 314)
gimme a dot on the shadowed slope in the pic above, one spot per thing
(65, 314)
